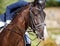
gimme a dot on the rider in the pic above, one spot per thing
(10, 11)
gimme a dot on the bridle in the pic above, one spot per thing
(32, 19)
(35, 28)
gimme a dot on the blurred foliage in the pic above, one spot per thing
(4, 4)
(54, 3)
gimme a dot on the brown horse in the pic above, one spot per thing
(29, 15)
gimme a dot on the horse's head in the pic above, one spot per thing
(37, 16)
(32, 16)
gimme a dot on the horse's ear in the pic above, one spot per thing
(35, 2)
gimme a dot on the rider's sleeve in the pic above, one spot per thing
(12, 7)
(16, 5)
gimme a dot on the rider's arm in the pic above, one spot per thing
(15, 5)
(11, 8)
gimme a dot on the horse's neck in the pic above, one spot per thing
(20, 22)
(12, 28)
